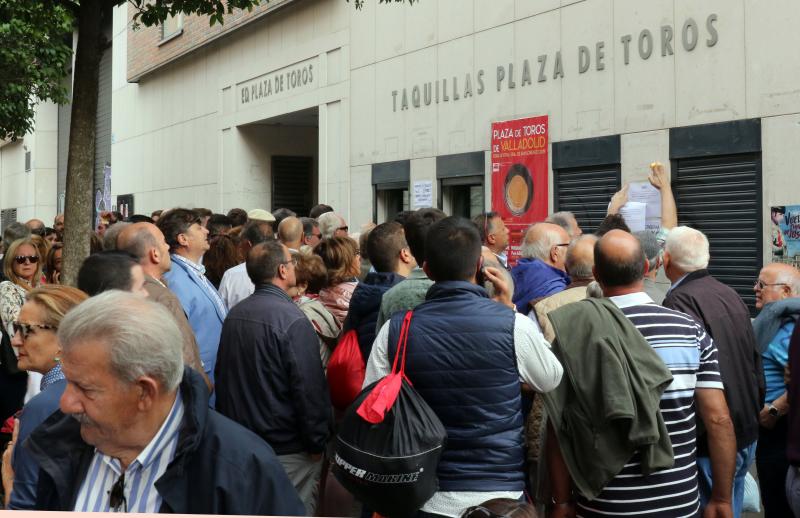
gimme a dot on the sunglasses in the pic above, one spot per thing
(22, 259)
(25, 330)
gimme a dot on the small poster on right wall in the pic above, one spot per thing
(785, 223)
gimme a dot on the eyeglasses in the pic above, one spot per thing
(345, 228)
(25, 329)
(117, 495)
(760, 285)
(293, 260)
(562, 244)
(22, 259)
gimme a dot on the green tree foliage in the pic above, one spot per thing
(34, 52)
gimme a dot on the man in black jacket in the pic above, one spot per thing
(135, 432)
(726, 319)
(270, 372)
(392, 261)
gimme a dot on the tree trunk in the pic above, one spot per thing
(78, 220)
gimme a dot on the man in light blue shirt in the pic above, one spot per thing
(204, 308)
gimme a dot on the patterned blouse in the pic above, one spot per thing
(12, 297)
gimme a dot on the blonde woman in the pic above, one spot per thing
(39, 350)
(22, 265)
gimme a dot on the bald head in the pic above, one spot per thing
(147, 243)
(777, 281)
(580, 257)
(290, 232)
(546, 242)
(619, 262)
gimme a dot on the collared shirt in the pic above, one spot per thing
(690, 355)
(537, 366)
(140, 476)
(676, 283)
(51, 377)
(502, 258)
(198, 270)
(235, 285)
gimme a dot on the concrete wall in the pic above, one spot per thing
(32, 193)
(180, 134)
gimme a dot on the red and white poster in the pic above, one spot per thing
(519, 176)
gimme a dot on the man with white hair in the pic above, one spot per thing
(541, 271)
(567, 221)
(332, 225)
(135, 434)
(726, 319)
(778, 299)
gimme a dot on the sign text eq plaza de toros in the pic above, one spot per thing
(553, 66)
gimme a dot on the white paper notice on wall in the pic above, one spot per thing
(634, 214)
(644, 192)
(423, 194)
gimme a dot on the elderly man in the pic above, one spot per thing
(58, 225)
(332, 225)
(541, 271)
(567, 221)
(269, 375)
(135, 433)
(290, 233)
(579, 263)
(778, 299)
(494, 235)
(236, 285)
(726, 319)
(682, 376)
(188, 241)
(146, 242)
(311, 233)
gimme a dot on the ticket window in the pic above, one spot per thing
(462, 196)
(390, 199)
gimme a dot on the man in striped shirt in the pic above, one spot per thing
(691, 357)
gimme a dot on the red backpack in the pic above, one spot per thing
(346, 370)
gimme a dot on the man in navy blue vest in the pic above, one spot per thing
(466, 356)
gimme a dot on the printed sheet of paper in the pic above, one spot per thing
(644, 192)
(423, 194)
(634, 213)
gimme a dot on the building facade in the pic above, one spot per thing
(306, 101)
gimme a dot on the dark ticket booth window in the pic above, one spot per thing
(460, 178)
(293, 183)
(716, 178)
(586, 174)
(390, 189)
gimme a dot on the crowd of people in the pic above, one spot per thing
(602, 374)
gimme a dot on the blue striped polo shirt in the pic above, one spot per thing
(690, 355)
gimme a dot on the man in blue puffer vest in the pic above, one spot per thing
(466, 356)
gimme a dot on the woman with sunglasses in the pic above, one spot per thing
(22, 266)
(35, 339)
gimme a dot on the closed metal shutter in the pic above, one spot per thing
(721, 197)
(586, 191)
(102, 150)
(291, 183)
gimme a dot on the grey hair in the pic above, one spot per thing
(791, 278)
(328, 223)
(687, 249)
(650, 245)
(563, 219)
(110, 236)
(139, 244)
(577, 267)
(506, 277)
(540, 249)
(142, 336)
